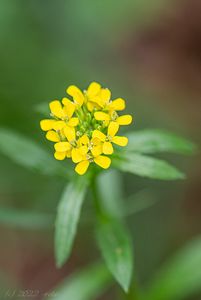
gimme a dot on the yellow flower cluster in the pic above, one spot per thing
(84, 128)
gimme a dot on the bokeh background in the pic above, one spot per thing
(148, 52)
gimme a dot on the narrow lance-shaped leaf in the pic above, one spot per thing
(180, 277)
(115, 245)
(158, 140)
(68, 215)
(110, 188)
(29, 154)
(86, 284)
(139, 202)
(146, 166)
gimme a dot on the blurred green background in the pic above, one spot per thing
(144, 51)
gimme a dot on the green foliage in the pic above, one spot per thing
(158, 140)
(110, 189)
(29, 154)
(180, 277)
(115, 245)
(68, 215)
(152, 141)
(139, 202)
(87, 284)
(111, 234)
(25, 219)
(146, 166)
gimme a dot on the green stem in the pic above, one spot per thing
(96, 197)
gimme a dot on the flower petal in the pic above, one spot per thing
(76, 93)
(113, 128)
(65, 101)
(47, 124)
(117, 104)
(76, 155)
(73, 122)
(84, 140)
(91, 106)
(101, 116)
(103, 161)
(62, 146)
(58, 125)
(52, 136)
(69, 107)
(98, 134)
(95, 141)
(105, 95)
(120, 140)
(60, 155)
(108, 148)
(83, 150)
(97, 150)
(56, 109)
(124, 120)
(69, 133)
(93, 89)
(68, 153)
(82, 167)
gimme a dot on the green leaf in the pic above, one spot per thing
(139, 202)
(25, 219)
(146, 166)
(29, 154)
(87, 284)
(180, 277)
(68, 215)
(157, 140)
(112, 236)
(115, 245)
(113, 203)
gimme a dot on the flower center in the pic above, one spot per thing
(114, 116)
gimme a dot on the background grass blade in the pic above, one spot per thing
(68, 215)
(87, 284)
(25, 219)
(180, 277)
(157, 140)
(146, 166)
(29, 154)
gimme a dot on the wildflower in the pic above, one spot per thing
(110, 138)
(113, 116)
(84, 128)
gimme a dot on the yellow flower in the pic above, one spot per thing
(64, 147)
(91, 151)
(92, 95)
(63, 116)
(101, 160)
(110, 138)
(85, 127)
(76, 94)
(113, 116)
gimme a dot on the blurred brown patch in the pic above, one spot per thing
(168, 53)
